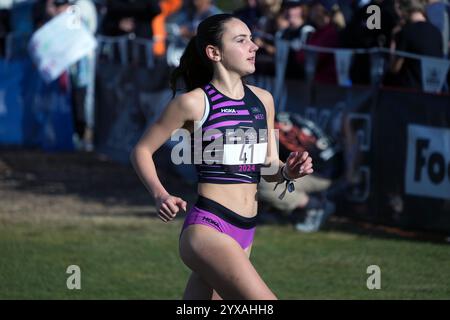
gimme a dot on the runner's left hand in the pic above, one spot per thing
(298, 164)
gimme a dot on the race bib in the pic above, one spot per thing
(240, 154)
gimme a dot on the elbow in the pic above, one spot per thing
(134, 154)
(137, 152)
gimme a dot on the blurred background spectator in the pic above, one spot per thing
(413, 34)
(357, 35)
(79, 78)
(182, 24)
(269, 23)
(192, 13)
(250, 13)
(167, 7)
(321, 13)
(129, 16)
(297, 31)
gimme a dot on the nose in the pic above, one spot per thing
(254, 47)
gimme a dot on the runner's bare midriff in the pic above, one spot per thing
(240, 198)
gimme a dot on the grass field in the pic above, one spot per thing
(137, 258)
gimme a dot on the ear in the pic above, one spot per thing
(213, 53)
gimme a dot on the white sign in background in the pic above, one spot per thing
(60, 43)
(428, 162)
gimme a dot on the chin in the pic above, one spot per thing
(248, 72)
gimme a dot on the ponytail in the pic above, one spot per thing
(194, 69)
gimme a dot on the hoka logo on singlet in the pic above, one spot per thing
(228, 110)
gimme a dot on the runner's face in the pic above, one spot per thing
(238, 50)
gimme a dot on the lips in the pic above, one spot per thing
(252, 59)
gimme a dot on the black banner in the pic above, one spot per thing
(412, 160)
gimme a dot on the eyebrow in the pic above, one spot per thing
(243, 35)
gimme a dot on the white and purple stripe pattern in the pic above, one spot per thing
(227, 104)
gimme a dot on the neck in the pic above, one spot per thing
(297, 24)
(229, 85)
(416, 17)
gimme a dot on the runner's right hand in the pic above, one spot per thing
(168, 206)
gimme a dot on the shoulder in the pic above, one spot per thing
(433, 28)
(265, 97)
(191, 104)
(262, 94)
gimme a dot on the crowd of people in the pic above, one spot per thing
(414, 26)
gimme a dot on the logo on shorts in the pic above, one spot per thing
(209, 220)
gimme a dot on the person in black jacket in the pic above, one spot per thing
(414, 35)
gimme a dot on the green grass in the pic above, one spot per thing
(135, 258)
